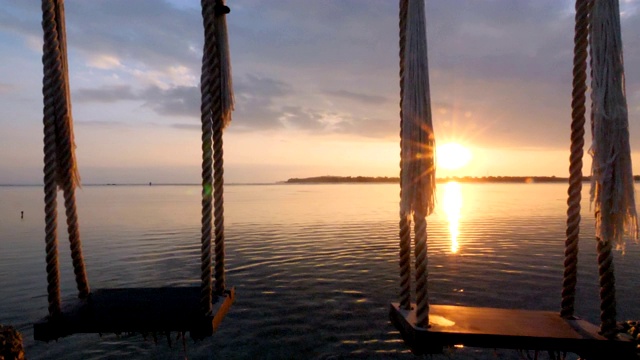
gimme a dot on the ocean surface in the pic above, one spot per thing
(314, 266)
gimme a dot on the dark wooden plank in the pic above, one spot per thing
(142, 310)
(506, 328)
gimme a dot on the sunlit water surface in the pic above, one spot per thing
(314, 266)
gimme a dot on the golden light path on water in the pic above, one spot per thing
(452, 205)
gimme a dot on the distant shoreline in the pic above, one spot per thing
(329, 179)
(461, 179)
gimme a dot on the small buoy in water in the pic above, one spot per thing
(21, 214)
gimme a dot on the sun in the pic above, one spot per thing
(452, 156)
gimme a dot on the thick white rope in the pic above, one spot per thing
(418, 142)
(206, 104)
(417, 196)
(60, 162)
(612, 191)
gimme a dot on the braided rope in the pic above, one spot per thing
(82, 283)
(208, 58)
(606, 278)
(60, 168)
(66, 160)
(218, 192)
(218, 203)
(405, 262)
(405, 221)
(422, 294)
(607, 289)
(612, 182)
(51, 65)
(218, 118)
(575, 168)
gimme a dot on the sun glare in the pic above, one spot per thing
(452, 156)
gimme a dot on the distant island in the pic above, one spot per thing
(462, 179)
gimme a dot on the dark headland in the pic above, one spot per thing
(462, 179)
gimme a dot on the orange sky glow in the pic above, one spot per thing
(316, 86)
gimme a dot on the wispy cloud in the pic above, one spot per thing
(5, 88)
(499, 66)
(103, 61)
(105, 94)
(360, 97)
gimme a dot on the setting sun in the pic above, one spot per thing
(452, 156)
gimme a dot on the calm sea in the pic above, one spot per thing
(314, 266)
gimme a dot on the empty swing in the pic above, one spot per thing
(428, 328)
(197, 310)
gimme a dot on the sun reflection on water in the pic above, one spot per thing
(452, 205)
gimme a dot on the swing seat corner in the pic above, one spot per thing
(454, 326)
(137, 310)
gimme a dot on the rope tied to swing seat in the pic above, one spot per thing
(60, 166)
(217, 103)
(418, 140)
(144, 310)
(417, 154)
(612, 187)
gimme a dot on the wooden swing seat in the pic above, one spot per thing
(136, 310)
(507, 329)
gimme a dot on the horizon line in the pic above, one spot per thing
(308, 179)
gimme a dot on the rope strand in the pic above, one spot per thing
(68, 176)
(218, 194)
(422, 287)
(405, 220)
(222, 105)
(578, 110)
(607, 289)
(50, 60)
(82, 283)
(208, 58)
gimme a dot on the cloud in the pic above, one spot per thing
(502, 39)
(331, 66)
(5, 88)
(149, 32)
(261, 86)
(183, 126)
(262, 103)
(371, 128)
(105, 94)
(175, 101)
(99, 123)
(360, 97)
(19, 16)
(256, 100)
(103, 61)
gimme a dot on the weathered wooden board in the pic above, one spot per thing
(506, 328)
(142, 310)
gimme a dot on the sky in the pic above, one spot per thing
(316, 87)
